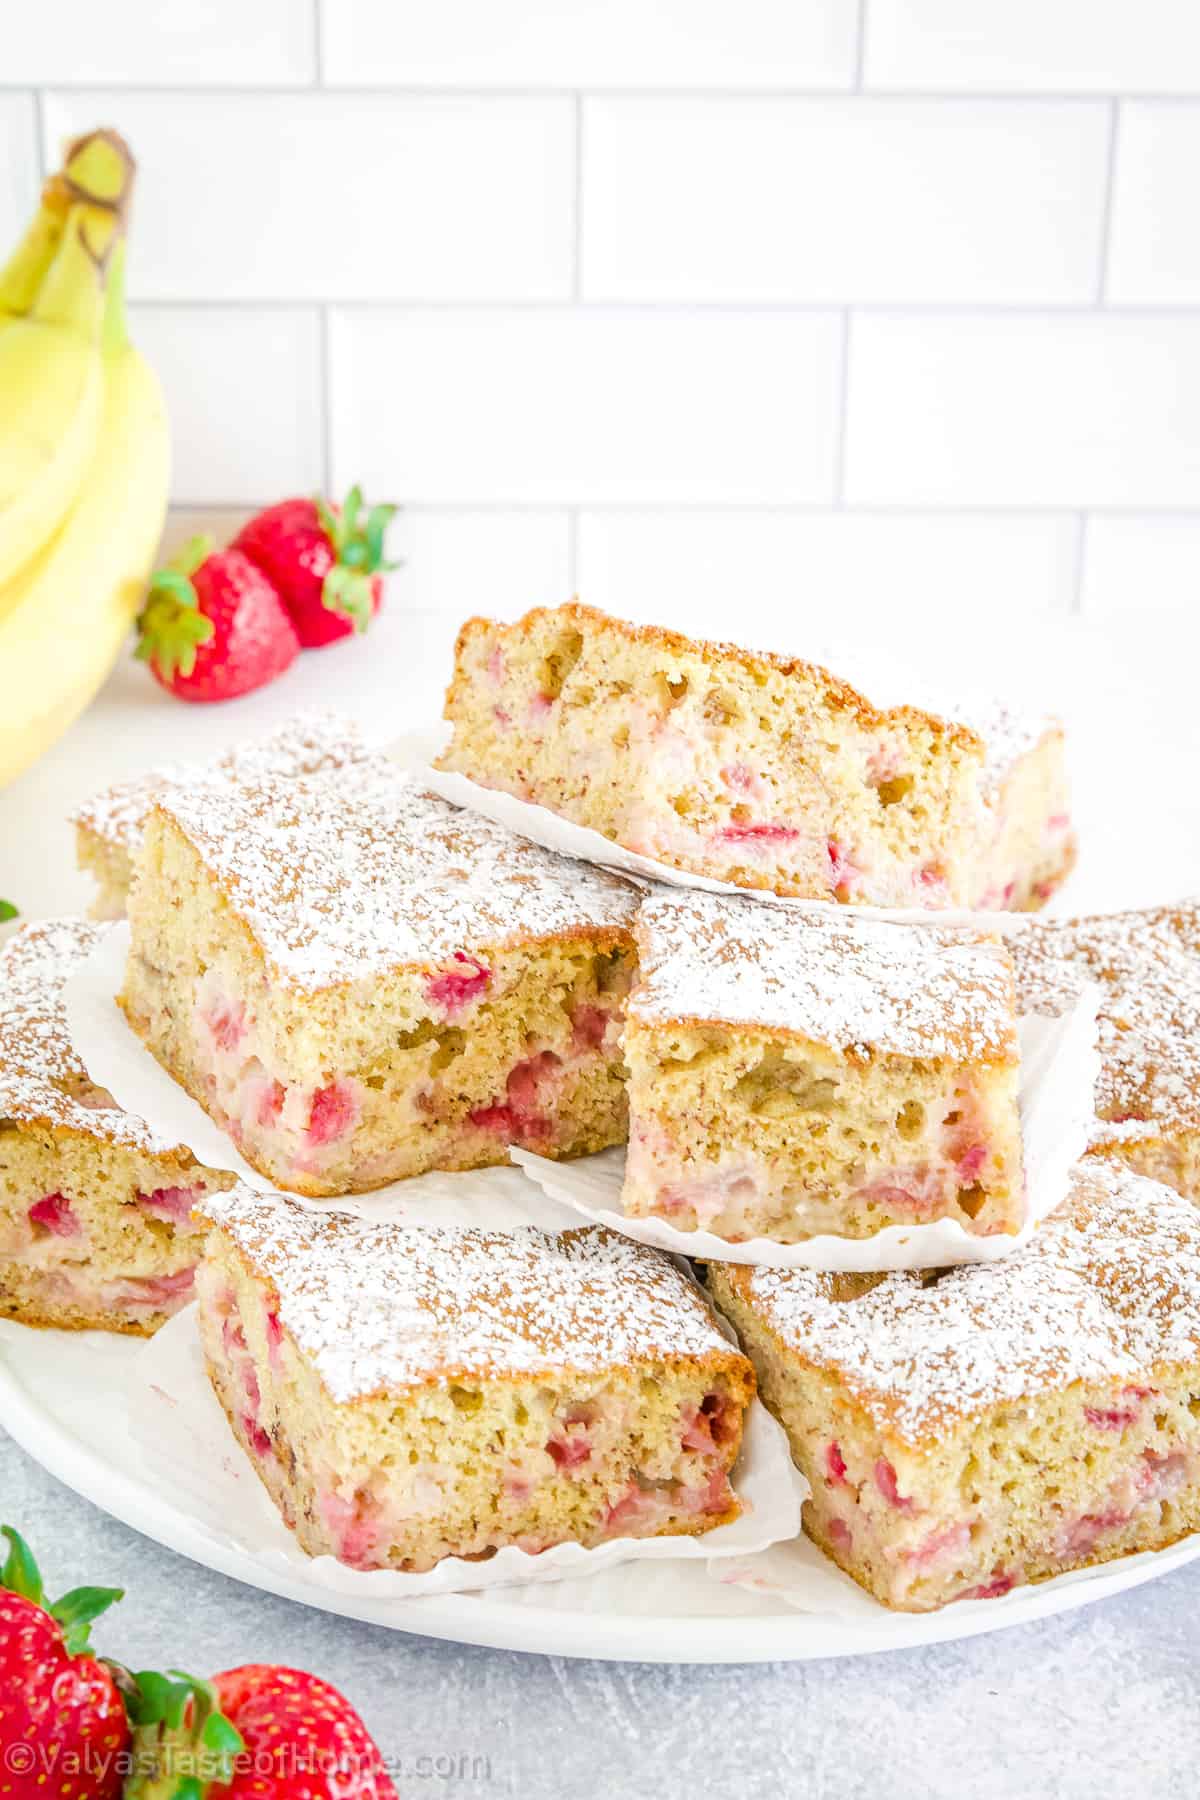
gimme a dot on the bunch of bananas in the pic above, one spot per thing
(84, 453)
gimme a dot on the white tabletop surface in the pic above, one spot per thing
(1098, 1701)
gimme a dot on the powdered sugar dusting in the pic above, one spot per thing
(42, 1079)
(380, 1307)
(1108, 1288)
(352, 873)
(300, 746)
(1147, 965)
(839, 980)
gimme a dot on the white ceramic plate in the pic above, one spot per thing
(63, 1398)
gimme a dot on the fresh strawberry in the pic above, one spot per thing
(255, 1733)
(213, 627)
(325, 562)
(62, 1718)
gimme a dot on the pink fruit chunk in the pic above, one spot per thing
(839, 1535)
(570, 1450)
(274, 1337)
(844, 872)
(518, 1483)
(333, 1112)
(540, 705)
(1110, 1418)
(500, 1119)
(1058, 822)
(769, 832)
(970, 1163)
(56, 1215)
(233, 1337)
(741, 778)
(589, 1026)
(256, 1437)
(885, 1481)
(1164, 1475)
(940, 1546)
(495, 665)
(714, 1497)
(270, 1103)
(518, 1115)
(160, 1291)
(226, 1019)
(722, 1418)
(502, 717)
(1000, 1583)
(455, 989)
(932, 876)
(172, 1204)
(835, 1465)
(350, 1524)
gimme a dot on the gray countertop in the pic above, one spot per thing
(1101, 1701)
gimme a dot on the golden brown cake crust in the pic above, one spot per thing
(446, 1304)
(340, 878)
(841, 696)
(861, 986)
(1108, 1288)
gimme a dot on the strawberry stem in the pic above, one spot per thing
(171, 626)
(8, 911)
(179, 1728)
(75, 1612)
(358, 544)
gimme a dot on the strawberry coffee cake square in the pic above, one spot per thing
(1028, 845)
(760, 770)
(95, 1210)
(972, 1429)
(110, 826)
(1147, 966)
(361, 983)
(407, 1395)
(795, 1073)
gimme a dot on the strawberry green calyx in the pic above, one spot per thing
(182, 1742)
(8, 911)
(356, 536)
(75, 1612)
(171, 626)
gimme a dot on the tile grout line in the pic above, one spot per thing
(1106, 217)
(402, 90)
(843, 418)
(39, 127)
(577, 220)
(1081, 536)
(931, 514)
(717, 309)
(324, 371)
(860, 48)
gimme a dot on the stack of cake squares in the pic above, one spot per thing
(362, 984)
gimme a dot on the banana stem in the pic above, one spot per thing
(98, 170)
(98, 177)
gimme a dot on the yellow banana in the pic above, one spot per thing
(64, 617)
(51, 373)
(96, 168)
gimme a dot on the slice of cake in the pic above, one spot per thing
(407, 1395)
(793, 1073)
(1147, 965)
(761, 770)
(990, 1425)
(109, 827)
(95, 1210)
(360, 983)
(1028, 847)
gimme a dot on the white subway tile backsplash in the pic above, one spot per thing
(1077, 410)
(243, 392)
(18, 167)
(162, 43)
(1004, 46)
(1140, 565)
(791, 579)
(460, 563)
(551, 406)
(1154, 254)
(843, 200)
(592, 43)
(303, 196)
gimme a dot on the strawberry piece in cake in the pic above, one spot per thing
(1028, 843)
(1147, 965)
(96, 1226)
(109, 827)
(974, 1429)
(362, 983)
(799, 1073)
(407, 1395)
(761, 770)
